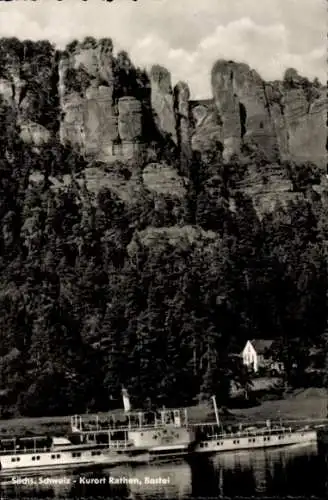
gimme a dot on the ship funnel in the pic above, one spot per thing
(126, 400)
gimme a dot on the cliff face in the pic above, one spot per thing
(101, 105)
(86, 84)
(162, 102)
(105, 109)
(28, 76)
(285, 120)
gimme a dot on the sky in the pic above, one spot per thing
(186, 36)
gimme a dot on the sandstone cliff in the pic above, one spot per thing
(285, 120)
(100, 105)
(105, 108)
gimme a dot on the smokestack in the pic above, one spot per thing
(126, 400)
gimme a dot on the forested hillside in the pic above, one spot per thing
(149, 272)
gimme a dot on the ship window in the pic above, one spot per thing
(206, 445)
(250, 440)
(218, 444)
(57, 456)
(268, 438)
(202, 445)
(33, 458)
(38, 457)
(17, 459)
(53, 456)
(13, 459)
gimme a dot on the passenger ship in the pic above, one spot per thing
(213, 439)
(133, 437)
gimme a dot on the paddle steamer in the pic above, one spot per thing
(134, 437)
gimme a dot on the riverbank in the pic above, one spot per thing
(300, 405)
(303, 405)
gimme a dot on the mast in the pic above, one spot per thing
(217, 418)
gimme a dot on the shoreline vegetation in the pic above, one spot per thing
(300, 406)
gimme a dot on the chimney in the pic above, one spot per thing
(126, 400)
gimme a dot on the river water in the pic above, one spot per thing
(295, 471)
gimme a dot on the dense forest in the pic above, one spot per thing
(88, 304)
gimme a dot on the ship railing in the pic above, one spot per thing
(88, 429)
(22, 451)
(264, 432)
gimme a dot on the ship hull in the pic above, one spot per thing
(236, 443)
(44, 461)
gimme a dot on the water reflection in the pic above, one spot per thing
(271, 473)
(276, 472)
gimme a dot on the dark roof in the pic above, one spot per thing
(261, 345)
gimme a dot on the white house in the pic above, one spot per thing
(253, 354)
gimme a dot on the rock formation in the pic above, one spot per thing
(86, 85)
(162, 102)
(183, 121)
(163, 179)
(100, 121)
(278, 118)
(108, 110)
(227, 105)
(130, 126)
(207, 126)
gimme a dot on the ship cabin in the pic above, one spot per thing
(132, 420)
(25, 444)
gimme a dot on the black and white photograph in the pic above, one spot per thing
(163, 249)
